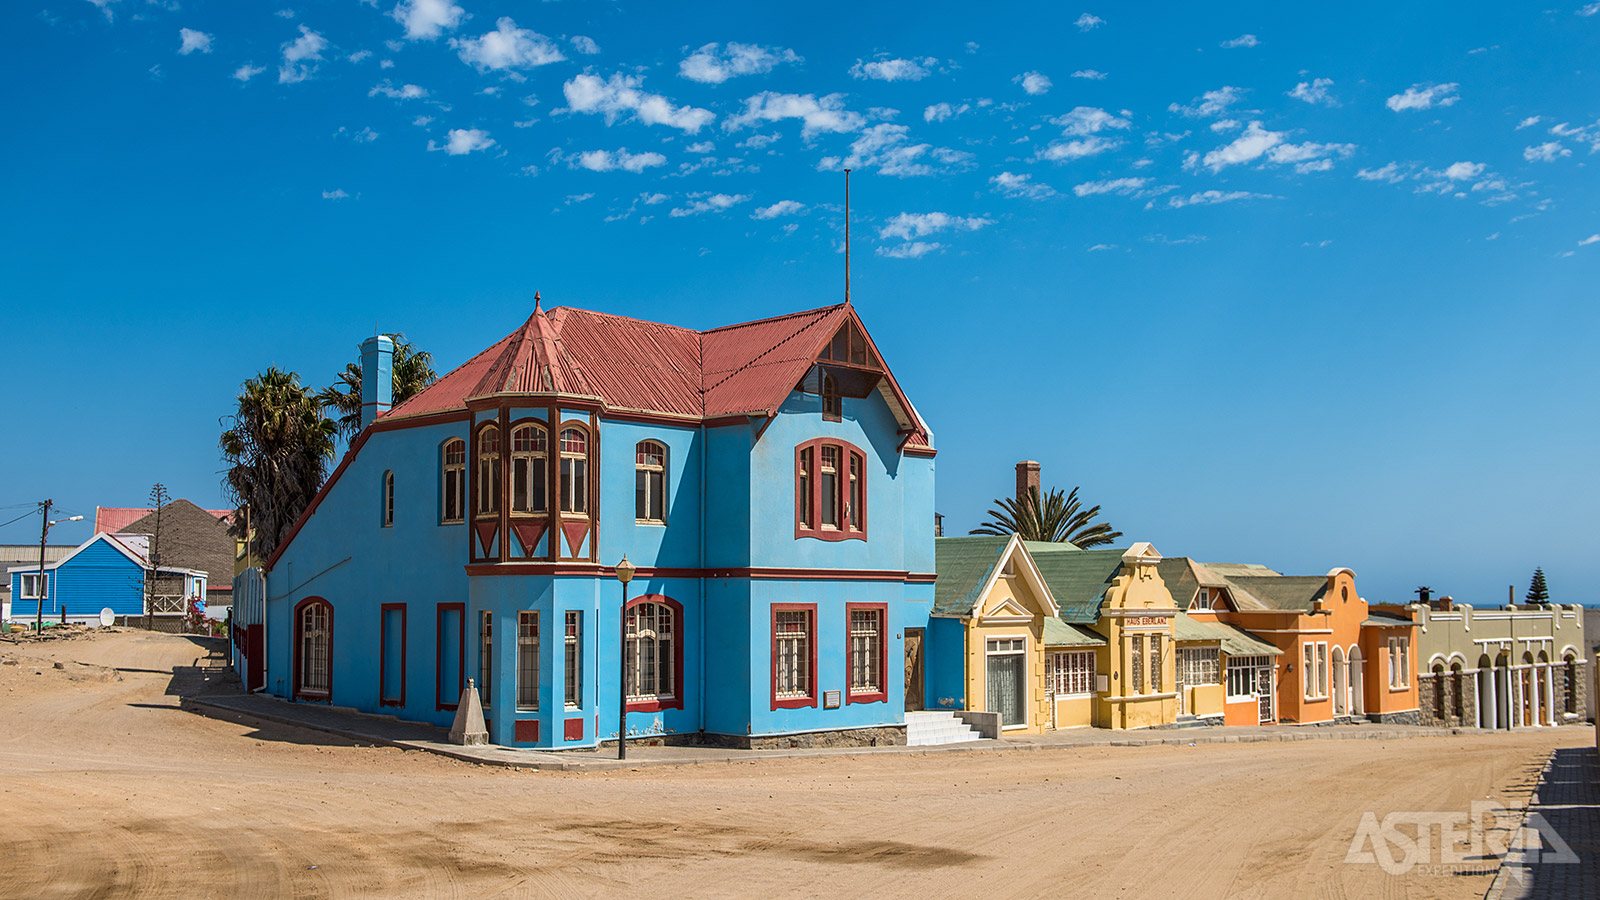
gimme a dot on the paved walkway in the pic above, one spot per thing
(386, 730)
(1568, 801)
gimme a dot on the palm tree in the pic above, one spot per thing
(1057, 519)
(413, 371)
(277, 450)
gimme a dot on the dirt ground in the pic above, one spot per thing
(110, 790)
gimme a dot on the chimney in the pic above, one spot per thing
(1424, 595)
(938, 525)
(1446, 602)
(377, 377)
(1027, 477)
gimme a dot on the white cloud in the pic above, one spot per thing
(620, 94)
(1243, 40)
(105, 7)
(781, 208)
(403, 92)
(193, 41)
(887, 147)
(365, 136)
(1098, 247)
(300, 56)
(613, 160)
(1589, 9)
(1591, 239)
(1087, 22)
(1315, 91)
(335, 194)
(1391, 173)
(704, 203)
(427, 19)
(1529, 122)
(757, 141)
(584, 45)
(461, 141)
(1087, 120)
(1033, 82)
(1257, 142)
(1209, 198)
(1211, 103)
(1066, 151)
(892, 69)
(422, 121)
(246, 72)
(1549, 151)
(940, 112)
(910, 250)
(1091, 74)
(284, 13)
(702, 147)
(1021, 187)
(578, 198)
(359, 56)
(819, 114)
(1463, 171)
(1124, 186)
(1222, 125)
(909, 226)
(507, 47)
(1424, 97)
(714, 64)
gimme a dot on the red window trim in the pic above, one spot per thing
(438, 655)
(815, 530)
(466, 495)
(591, 442)
(772, 679)
(474, 453)
(881, 695)
(675, 701)
(299, 644)
(383, 654)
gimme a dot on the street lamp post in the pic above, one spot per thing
(38, 583)
(624, 575)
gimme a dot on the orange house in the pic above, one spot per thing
(1340, 661)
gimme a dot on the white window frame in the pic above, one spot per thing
(572, 641)
(1014, 645)
(1244, 668)
(485, 654)
(528, 660)
(1202, 600)
(1314, 666)
(538, 449)
(459, 469)
(573, 464)
(486, 501)
(35, 577)
(1399, 663)
(652, 473)
(1204, 662)
(868, 645)
(1136, 664)
(664, 663)
(800, 657)
(1071, 673)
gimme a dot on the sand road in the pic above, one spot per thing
(110, 790)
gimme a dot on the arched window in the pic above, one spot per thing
(832, 406)
(529, 477)
(1438, 691)
(314, 650)
(830, 491)
(1569, 700)
(574, 471)
(652, 661)
(650, 482)
(1456, 707)
(489, 470)
(388, 498)
(455, 480)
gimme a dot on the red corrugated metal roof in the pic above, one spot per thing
(113, 519)
(632, 364)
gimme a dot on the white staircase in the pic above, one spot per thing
(926, 729)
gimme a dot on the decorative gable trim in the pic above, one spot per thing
(1024, 566)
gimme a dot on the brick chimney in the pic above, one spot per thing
(1445, 603)
(1027, 477)
(377, 377)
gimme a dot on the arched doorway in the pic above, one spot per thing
(1341, 684)
(1437, 673)
(1357, 682)
(1547, 690)
(1457, 707)
(1502, 692)
(1488, 706)
(1528, 702)
(1569, 698)
(313, 649)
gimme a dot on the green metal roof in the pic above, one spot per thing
(1061, 634)
(963, 565)
(1285, 592)
(1077, 578)
(1179, 577)
(1233, 640)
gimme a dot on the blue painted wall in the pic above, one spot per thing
(99, 576)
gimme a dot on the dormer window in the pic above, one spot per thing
(830, 490)
(489, 471)
(1203, 599)
(575, 471)
(832, 404)
(529, 476)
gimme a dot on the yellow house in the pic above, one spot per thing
(1051, 636)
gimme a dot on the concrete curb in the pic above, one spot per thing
(562, 762)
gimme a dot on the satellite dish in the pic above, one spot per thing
(107, 616)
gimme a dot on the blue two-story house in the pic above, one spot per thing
(770, 481)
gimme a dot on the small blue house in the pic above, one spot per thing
(108, 571)
(770, 480)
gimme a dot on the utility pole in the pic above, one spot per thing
(38, 584)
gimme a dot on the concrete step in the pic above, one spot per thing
(931, 728)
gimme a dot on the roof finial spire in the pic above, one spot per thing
(536, 307)
(847, 237)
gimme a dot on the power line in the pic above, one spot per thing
(18, 518)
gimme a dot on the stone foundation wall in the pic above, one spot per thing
(1429, 689)
(884, 736)
(1409, 717)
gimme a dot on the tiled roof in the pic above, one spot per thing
(1061, 634)
(1077, 578)
(630, 364)
(963, 565)
(112, 519)
(1290, 593)
(1232, 640)
(191, 538)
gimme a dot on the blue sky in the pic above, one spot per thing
(1272, 283)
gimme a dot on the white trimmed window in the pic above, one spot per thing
(1199, 665)
(574, 660)
(1322, 670)
(455, 479)
(650, 660)
(1314, 673)
(1155, 663)
(1399, 662)
(529, 480)
(791, 640)
(316, 637)
(527, 660)
(1072, 673)
(489, 470)
(29, 589)
(1243, 672)
(866, 655)
(650, 483)
(485, 655)
(574, 471)
(1137, 667)
(388, 498)
(1202, 599)
(829, 478)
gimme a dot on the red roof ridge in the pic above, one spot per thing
(824, 310)
(803, 312)
(561, 312)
